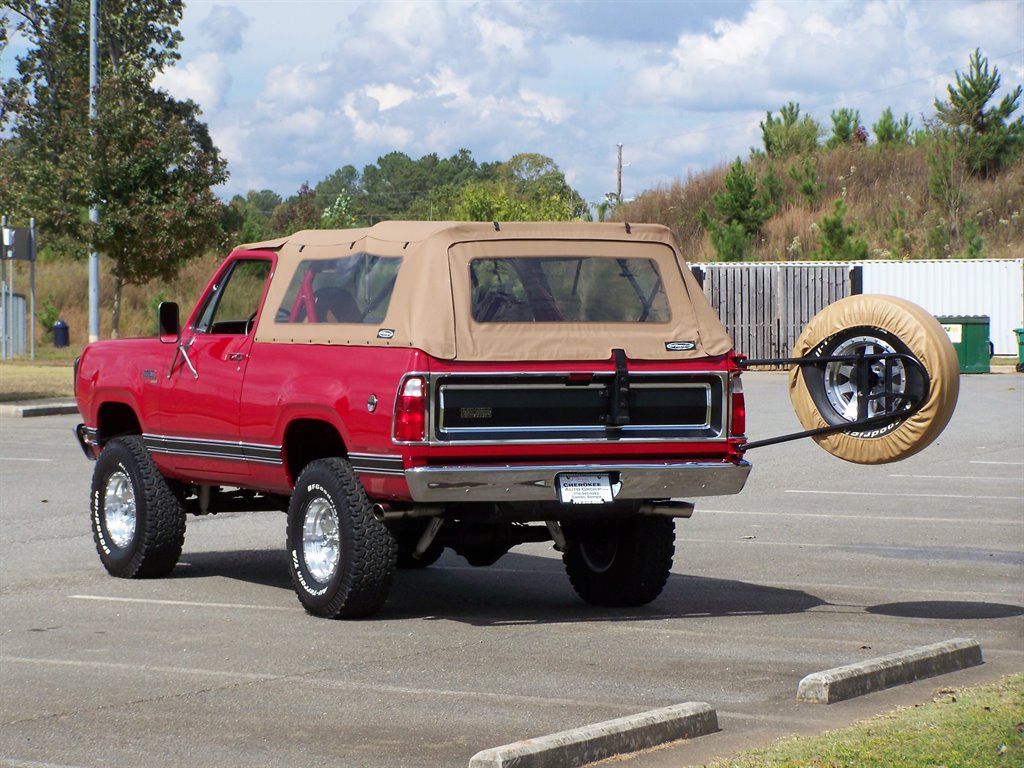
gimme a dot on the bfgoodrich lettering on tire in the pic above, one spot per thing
(341, 558)
(824, 394)
(138, 524)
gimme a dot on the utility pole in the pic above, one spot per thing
(94, 211)
(618, 183)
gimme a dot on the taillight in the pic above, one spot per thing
(738, 421)
(411, 411)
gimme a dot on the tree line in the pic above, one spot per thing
(525, 187)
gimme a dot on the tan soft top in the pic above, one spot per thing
(430, 306)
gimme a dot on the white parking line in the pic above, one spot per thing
(1000, 463)
(319, 682)
(886, 518)
(185, 603)
(908, 495)
(21, 458)
(176, 671)
(964, 477)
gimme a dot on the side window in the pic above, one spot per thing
(349, 289)
(234, 300)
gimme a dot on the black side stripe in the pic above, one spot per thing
(213, 449)
(377, 464)
(364, 463)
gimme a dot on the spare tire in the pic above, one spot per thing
(824, 394)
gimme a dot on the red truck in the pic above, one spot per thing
(413, 386)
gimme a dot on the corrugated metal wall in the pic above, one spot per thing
(764, 306)
(993, 287)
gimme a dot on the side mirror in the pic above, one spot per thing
(168, 322)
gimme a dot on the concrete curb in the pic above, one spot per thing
(887, 671)
(600, 740)
(38, 409)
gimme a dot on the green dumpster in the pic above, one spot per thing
(969, 334)
(1020, 349)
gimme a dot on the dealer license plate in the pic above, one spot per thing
(584, 489)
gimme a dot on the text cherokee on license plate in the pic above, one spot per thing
(584, 489)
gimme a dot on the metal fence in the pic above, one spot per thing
(764, 307)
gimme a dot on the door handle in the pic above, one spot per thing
(235, 357)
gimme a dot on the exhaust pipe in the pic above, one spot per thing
(384, 512)
(668, 508)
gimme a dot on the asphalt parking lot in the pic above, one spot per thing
(818, 563)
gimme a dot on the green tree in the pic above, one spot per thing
(742, 207)
(345, 180)
(789, 133)
(846, 129)
(297, 212)
(947, 174)
(891, 133)
(338, 215)
(43, 112)
(255, 210)
(148, 161)
(836, 240)
(986, 137)
(807, 183)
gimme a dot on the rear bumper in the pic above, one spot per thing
(538, 482)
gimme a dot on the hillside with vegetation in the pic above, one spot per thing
(953, 188)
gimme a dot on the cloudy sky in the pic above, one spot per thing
(293, 89)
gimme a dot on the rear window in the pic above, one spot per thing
(350, 289)
(574, 289)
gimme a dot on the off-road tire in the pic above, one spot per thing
(620, 563)
(357, 583)
(897, 325)
(138, 523)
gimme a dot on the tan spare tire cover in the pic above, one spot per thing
(900, 326)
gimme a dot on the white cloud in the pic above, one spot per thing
(389, 95)
(225, 28)
(315, 86)
(549, 109)
(204, 79)
(371, 132)
(291, 85)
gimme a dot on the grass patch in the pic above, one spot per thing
(35, 380)
(978, 727)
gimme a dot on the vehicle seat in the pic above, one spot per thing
(336, 305)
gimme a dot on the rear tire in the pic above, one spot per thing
(341, 557)
(138, 523)
(622, 562)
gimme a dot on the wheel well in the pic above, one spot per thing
(115, 419)
(307, 440)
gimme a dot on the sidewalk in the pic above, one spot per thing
(41, 407)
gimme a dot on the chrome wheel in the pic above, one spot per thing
(841, 378)
(119, 510)
(321, 541)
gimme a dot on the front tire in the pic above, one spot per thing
(138, 523)
(620, 563)
(341, 558)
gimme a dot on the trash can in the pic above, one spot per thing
(1020, 349)
(969, 334)
(60, 334)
